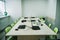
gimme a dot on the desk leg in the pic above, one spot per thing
(35, 37)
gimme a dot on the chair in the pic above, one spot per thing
(7, 29)
(15, 22)
(49, 25)
(42, 19)
(56, 30)
(12, 24)
(54, 36)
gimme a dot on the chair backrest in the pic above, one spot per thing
(56, 29)
(7, 29)
(49, 25)
(15, 22)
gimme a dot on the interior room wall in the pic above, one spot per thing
(57, 20)
(51, 12)
(31, 8)
(35, 8)
(39, 8)
(13, 8)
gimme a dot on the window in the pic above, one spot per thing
(1, 7)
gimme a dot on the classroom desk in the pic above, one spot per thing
(28, 33)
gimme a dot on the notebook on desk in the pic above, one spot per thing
(35, 27)
(21, 26)
(23, 20)
(25, 17)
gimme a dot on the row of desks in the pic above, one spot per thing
(28, 33)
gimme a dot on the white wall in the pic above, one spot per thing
(14, 8)
(31, 8)
(52, 8)
(39, 8)
(34, 7)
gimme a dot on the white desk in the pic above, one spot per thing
(28, 32)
